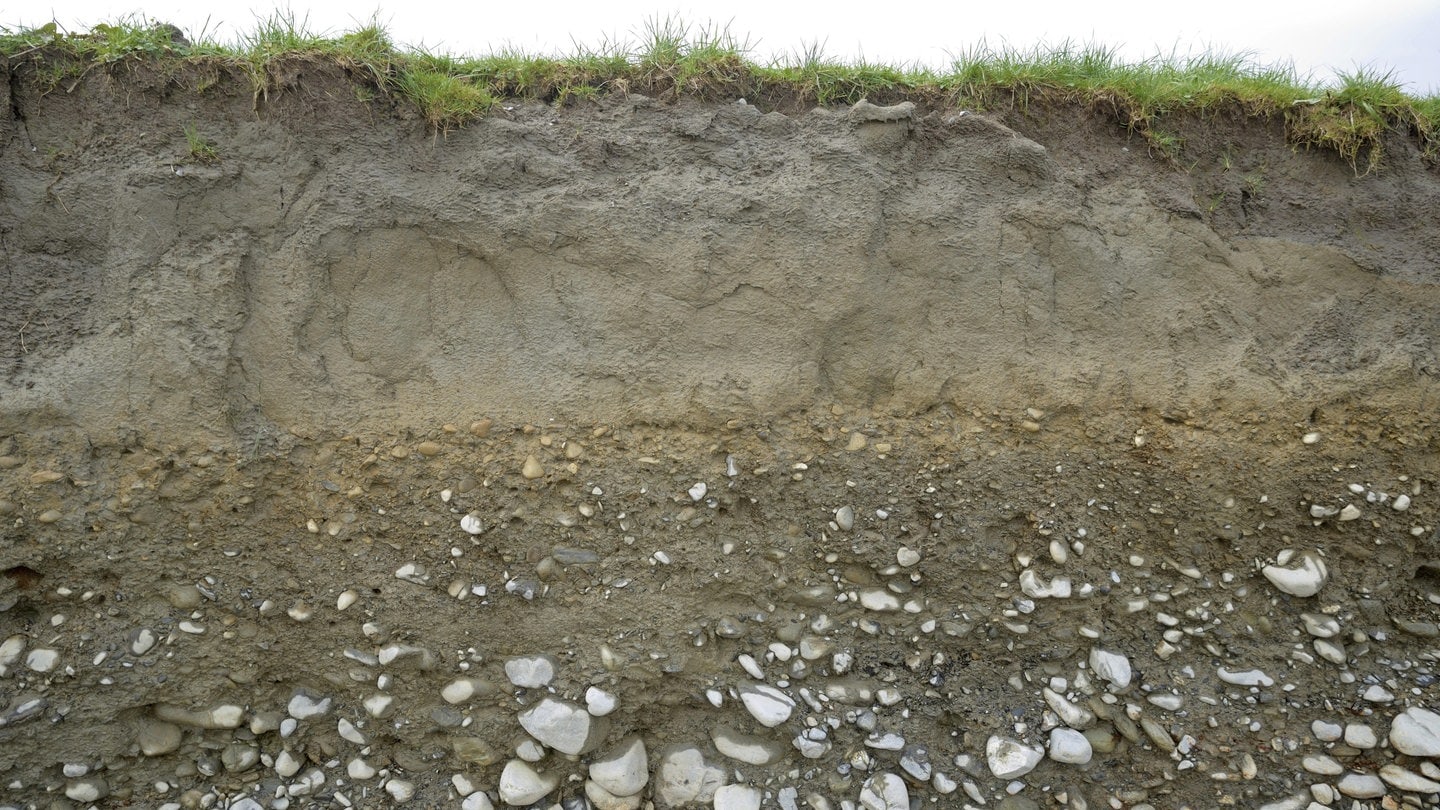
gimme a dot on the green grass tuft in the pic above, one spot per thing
(446, 101)
(200, 149)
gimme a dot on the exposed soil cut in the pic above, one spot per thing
(827, 444)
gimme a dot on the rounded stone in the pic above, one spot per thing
(521, 785)
(1069, 746)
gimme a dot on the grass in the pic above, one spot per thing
(670, 58)
(200, 149)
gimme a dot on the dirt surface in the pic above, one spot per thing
(885, 421)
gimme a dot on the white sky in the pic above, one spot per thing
(1319, 37)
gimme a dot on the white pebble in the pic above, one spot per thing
(303, 706)
(747, 662)
(1247, 677)
(348, 731)
(1297, 573)
(360, 769)
(1416, 732)
(1009, 758)
(1069, 746)
(1112, 667)
(530, 672)
(400, 790)
(599, 702)
(42, 660)
(769, 706)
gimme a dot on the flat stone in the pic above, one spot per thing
(623, 770)
(222, 716)
(1408, 781)
(1245, 677)
(1418, 628)
(1322, 765)
(1071, 714)
(1319, 625)
(566, 555)
(1416, 732)
(1297, 573)
(303, 706)
(1361, 786)
(737, 797)
(812, 743)
(683, 777)
(156, 737)
(561, 725)
(1109, 666)
(1157, 734)
(378, 705)
(915, 762)
(400, 790)
(879, 599)
(358, 768)
(461, 690)
(884, 791)
(888, 741)
(745, 748)
(599, 702)
(1375, 693)
(42, 659)
(1359, 735)
(349, 732)
(602, 799)
(1032, 586)
(521, 785)
(89, 789)
(239, 757)
(530, 672)
(142, 641)
(1009, 758)
(531, 469)
(1069, 746)
(10, 650)
(1326, 732)
(769, 706)
(286, 765)
(1331, 651)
